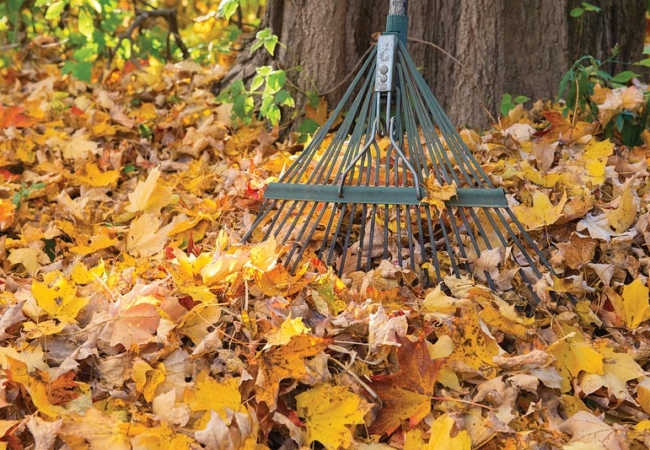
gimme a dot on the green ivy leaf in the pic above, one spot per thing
(86, 23)
(309, 126)
(83, 71)
(55, 10)
(267, 39)
(227, 8)
(270, 111)
(283, 98)
(257, 82)
(84, 54)
(274, 82)
(313, 98)
(264, 71)
(242, 108)
(96, 5)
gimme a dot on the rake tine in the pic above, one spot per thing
(308, 238)
(348, 234)
(330, 255)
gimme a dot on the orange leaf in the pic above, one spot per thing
(62, 390)
(406, 395)
(12, 116)
(564, 131)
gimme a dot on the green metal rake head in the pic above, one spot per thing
(359, 192)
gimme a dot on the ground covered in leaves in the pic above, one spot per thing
(132, 317)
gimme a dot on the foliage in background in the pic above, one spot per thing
(581, 89)
(85, 32)
(508, 103)
(267, 88)
(580, 11)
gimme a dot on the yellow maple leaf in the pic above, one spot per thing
(618, 369)
(441, 436)
(95, 429)
(30, 258)
(45, 328)
(595, 158)
(225, 267)
(31, 355)
(147, 378)
(414, 440)
(437, 301)
(81, 274)
(264, 256)
(289, 328)
(158, 436)
(437, 193)
(145, 237)
(198, 320)
(17, 371)
(93, 176)
(79, 147)
(474, 350)
(208, 394)
(643, 395)
(572, 356)
(101, 126)
(93, 244)
(287, 361)
(147, 111)
(59, 301)
(149, 196)
(186, 272)
(632, 306)
(328, 412)
(622, 212)
(542, 213)
(528, 172)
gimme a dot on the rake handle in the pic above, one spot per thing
(397, 22)
(398, 7)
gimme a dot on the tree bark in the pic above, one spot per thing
(482, 48)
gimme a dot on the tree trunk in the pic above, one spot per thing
(481, 48)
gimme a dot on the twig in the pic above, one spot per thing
(437, 47)
(141, 16)
(453, 58)
(347, 77)
(357, 379)
(8, 47)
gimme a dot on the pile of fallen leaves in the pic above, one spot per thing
(132, 317)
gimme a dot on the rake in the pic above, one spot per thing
(388, 177)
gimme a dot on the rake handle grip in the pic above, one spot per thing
(398, 7)
(397, 22)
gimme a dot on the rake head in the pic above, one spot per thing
(389, 178)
